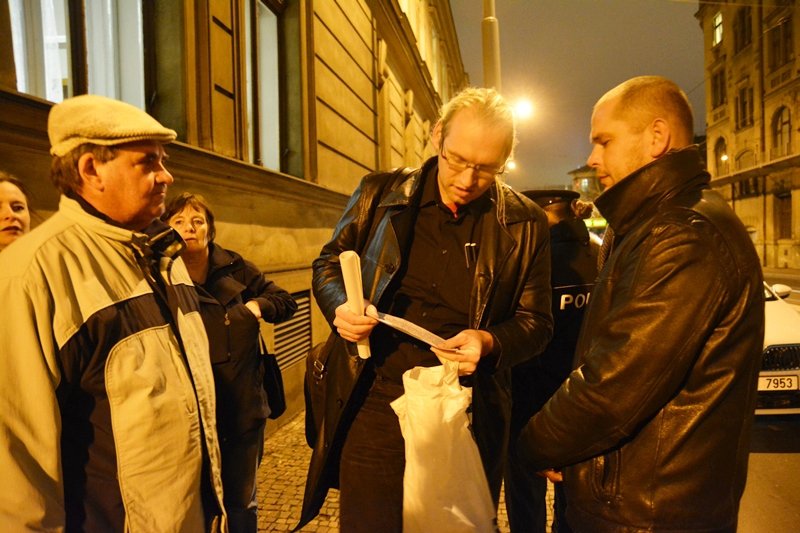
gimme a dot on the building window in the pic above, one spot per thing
(747, 188)
(716, 38)
(742, 29)
(718, 92)
(782, 132)
(721, 157)
(780, 47)
(273, 84)
(40, 35)
(783, 215)
(110, 49)
(263, 84)
(745, 159)
(115, 49)
(744, 107)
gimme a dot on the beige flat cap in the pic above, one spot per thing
(99, 120)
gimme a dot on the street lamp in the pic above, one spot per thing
(491, 46)
(523, 109)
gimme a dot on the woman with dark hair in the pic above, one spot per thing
(234, 295)
(15, 216)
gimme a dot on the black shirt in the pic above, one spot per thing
(433, 286)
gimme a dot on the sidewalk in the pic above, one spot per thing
(282, 477)
(789, 274)
(281, 481)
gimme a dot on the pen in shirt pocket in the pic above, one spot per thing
(470, 253)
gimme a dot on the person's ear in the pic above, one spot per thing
(88, 171)
(436, 136)
(661, 138)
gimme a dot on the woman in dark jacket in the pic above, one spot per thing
(233, 295)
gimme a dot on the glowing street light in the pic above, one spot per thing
(523, 109)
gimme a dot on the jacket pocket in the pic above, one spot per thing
(605, 476)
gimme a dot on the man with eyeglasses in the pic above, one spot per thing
(449, 247)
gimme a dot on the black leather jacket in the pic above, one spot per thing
(655, 422)
(510, 298)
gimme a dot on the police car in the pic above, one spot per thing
(779, 379)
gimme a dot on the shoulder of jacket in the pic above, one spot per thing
(693, 214)
(390, 188)
(44, 244)
(388, 178)
(235, 265)
(519, 207)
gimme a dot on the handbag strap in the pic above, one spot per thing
(262, 346)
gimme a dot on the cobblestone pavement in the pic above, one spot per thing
(282, 477)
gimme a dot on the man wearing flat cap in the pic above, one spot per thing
(106, 392)
(573, 256)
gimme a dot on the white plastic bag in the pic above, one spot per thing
(444, 485)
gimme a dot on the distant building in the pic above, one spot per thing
(281, 106)
(752, 116)
(584, 180)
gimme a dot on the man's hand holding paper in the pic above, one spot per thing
(352, 327)
(469, 345)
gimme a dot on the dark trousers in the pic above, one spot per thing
(525, 499)
(241, 456)
(560, 511)
(526, 504)
(372, 466)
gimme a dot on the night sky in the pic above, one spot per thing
(564, 54)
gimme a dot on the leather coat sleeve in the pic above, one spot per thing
(526, 334)
(640, 349)
(349, 234)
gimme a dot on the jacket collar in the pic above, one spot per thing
(220, 284)
(401, 195)
(638, 196)
(158, 239)
(405, 192)
(218, 259)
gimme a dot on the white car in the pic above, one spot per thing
(779, 379)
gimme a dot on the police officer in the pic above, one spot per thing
(574, 269)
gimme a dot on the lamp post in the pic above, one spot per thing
(490, 31)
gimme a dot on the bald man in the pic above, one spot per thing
(652, 429)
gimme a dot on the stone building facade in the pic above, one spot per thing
(281, 106)
(753, 118)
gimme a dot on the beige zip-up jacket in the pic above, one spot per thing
(106, 393)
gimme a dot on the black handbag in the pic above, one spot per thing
(273, 382)
(314, 387)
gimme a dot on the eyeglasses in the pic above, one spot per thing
(457, 164)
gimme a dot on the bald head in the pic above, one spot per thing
(644, 99)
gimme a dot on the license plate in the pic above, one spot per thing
(772, 383)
